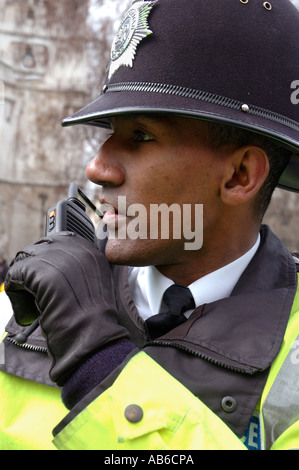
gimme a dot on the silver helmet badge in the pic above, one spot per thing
(134, 27)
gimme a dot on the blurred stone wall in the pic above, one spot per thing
(283, 217)
(43, 71)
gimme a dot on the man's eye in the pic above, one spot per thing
(140, 136)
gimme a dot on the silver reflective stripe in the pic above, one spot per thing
(2, 354)
(281, 407)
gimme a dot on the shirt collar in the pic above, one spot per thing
(148, 285)
(220, 284)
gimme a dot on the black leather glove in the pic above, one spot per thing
(66, 281)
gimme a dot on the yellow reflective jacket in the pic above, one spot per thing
(172, 418)
(166, 416)
(143, 405)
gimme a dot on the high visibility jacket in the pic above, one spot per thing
(188, 390)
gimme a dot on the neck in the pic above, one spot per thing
(207, 260)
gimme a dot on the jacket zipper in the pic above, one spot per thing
(247, 371)
(27, 346)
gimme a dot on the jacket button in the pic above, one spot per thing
(133, 413)
(229, 404)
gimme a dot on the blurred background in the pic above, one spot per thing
(53, 56)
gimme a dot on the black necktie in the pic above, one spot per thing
(179, 299)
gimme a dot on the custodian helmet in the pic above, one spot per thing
(228, 61)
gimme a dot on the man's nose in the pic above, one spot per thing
(104, 169)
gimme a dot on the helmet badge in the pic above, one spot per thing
(133, 29)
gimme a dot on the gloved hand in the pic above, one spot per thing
(66, 281)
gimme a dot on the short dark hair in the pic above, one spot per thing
(220, 135)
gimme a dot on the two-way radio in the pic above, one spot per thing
(67, 215)
(70, 215)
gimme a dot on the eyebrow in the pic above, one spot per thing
(155, 117)
(144, 118)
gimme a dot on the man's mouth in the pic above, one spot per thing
(112, 215)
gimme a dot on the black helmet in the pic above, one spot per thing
(229, 61)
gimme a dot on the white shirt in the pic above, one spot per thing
(148, 285)
(6, 312)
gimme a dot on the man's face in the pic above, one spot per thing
(151, 160)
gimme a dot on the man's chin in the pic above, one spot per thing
(133, 252)
(123, 252)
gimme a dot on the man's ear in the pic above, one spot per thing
(247, 169)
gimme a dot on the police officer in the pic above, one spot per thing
(156, 346)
